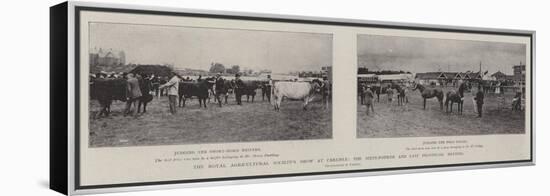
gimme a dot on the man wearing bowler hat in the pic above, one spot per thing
(239, 87)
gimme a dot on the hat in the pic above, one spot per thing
(237, 75)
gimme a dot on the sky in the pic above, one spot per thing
(197, 48)
(428, 55)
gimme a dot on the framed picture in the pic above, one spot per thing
(147, 98)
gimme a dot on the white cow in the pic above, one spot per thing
(294, 90)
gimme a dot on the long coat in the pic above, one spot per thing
(133, 88)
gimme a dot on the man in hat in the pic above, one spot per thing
(219, 88)
(325, 89)
(369, 96)
(134, 93)
(362, 89)
(516, 102)
(155, 82)
(266, 89)
(172, 87)
(239, 85)
(479, 101)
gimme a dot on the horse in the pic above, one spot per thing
(428, 93)
(455, 97)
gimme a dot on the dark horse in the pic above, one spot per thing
(428, 93)
(455, 97)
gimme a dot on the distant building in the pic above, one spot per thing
(499, 76)
(473, 76)
(447, 78)
(428, 78)
(383, 79)
(108, 57)
(517, 78)
(395, 78)
(519, 73)
(325, 71)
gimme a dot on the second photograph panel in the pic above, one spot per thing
(425, 87)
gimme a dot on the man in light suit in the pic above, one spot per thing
(173, 86)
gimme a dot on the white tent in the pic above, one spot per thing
(396, 77)
(366, 75)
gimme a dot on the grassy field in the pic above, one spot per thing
(193, 125)
(413, 121)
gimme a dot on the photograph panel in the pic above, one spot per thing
(163, 85)
(423, 87)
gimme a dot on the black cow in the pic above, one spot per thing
(105, 90)
(247, 88)
(223, 88)
(145, 87)
(199, 89)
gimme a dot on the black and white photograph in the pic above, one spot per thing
(146, 98)
(422, 87)
(164, 85)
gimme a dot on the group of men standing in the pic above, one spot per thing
(137, 92)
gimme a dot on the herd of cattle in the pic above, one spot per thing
(107, 90)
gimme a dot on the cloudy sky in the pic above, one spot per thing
(196, 48)
(425, 55)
